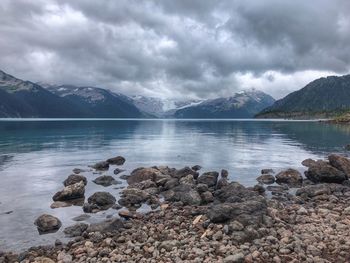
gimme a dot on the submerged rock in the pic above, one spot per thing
(101, 166)
(75, 178)
(47, 224)
(118, 171)
(119, 160)
(290, 177)
(82, 217)
(106, 180)
(70, 192)
(109, 225)
(78, 170)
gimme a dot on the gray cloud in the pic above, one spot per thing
(176, 48)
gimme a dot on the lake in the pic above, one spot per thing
(37, 155)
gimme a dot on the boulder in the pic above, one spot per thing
(308, 162)
(143, 185)
(142, 174)
(234, 192)
(188, 179)
(118, 171)
(78, 170)
(75, 230)
(311, 191)
(47, 224)
(119, 160)
(184, 172)
(196, 168)
(101, 166)
(247, 212)
(266, 179)
(70, 192)
(224, 173)
(106, 180)
(109, 225)
(183, 193)
(133, 196)
(323, 172)
(171, 183)
(75, 178)
(201, 188)
(341, 163)
(209, 178)
(207, 197)
(290, 177)
(267, 171)
(99, 201)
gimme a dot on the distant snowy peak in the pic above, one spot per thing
(160, 107)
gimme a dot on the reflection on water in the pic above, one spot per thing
(36, 156)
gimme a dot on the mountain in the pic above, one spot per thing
(160, 107)
(324, 97)
(97, 102)
(25, 99)
(244, 104)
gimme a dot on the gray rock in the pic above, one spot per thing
(119, 160)
(266, 179)
(341, 163)
(47, 224)
(101, 166)
(70, 192)
(235, 258)
(323, 172)
(99, 201)
(183, 193)
(106, 180)
(209, 178)
(118, 171)
(82, 217)
(109, 225)
(196, 168)
(184, 172)
(290, 177)
(267, 171)
(75, 230)
(75, 178)
(207, 197)
(133, 196)
(142, 174)
(247, 212)
(234, 192)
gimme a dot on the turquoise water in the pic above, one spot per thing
(36, 156)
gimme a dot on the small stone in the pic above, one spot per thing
(302, 211)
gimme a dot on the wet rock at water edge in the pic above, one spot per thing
(106, 180)
(75, 202)
(196, 168)
(75, 178)
(78, 170)
(266, 179)
(341, 163)
(101, 166)
(133, 196)
(209, 178)
(99, 201)
(109, 225)
(118, 171)
(289, 177)
(323, 172)
(75, 230)
(82, 217)
(119, 160)
(70, 192)
(267, 171)
(142, 174)
(47, 224)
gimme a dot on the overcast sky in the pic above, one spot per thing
(182, 48)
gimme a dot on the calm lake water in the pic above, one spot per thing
(36, 156)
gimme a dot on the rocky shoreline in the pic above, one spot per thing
(203, 217)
